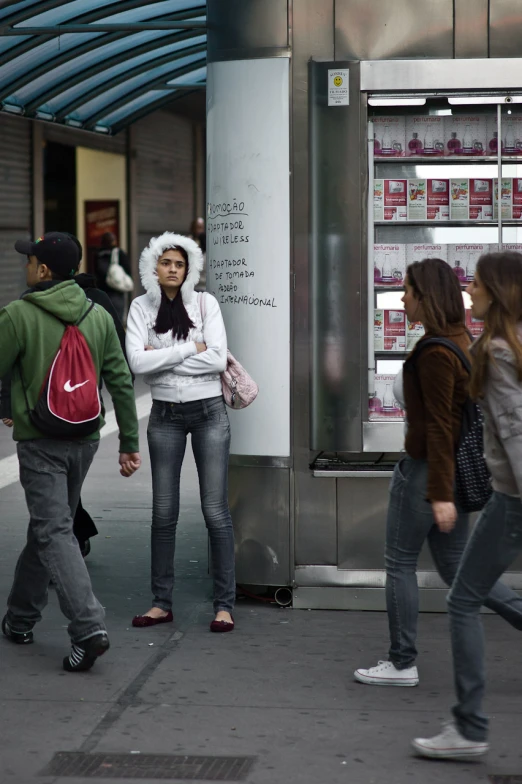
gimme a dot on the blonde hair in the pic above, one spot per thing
(501, 275)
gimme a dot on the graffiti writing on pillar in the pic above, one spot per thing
(232, 279)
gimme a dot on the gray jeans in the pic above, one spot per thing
(494, 544)
(410, 523)
(52, 473)
(169, 424)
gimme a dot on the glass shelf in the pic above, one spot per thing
(461, 223)
(438, 160)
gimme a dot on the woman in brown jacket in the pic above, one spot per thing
(422, 503)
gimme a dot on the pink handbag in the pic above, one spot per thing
(239, 389)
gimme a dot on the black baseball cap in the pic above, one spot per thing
(56, 250)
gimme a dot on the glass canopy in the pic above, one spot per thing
(99, 64)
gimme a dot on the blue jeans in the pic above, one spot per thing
(52, 473)
(494, 544)
(207, 422)
(410, 523)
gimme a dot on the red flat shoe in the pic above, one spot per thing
(140, 621)
(222, 626)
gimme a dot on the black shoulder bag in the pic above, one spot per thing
(472, 477)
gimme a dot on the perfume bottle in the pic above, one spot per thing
(493, 144)
(376, 146)
(387, 399)
(375, 404)
(387, 145)
(387, 275)
(459, 271)
(510, 139)
(415, 144)
(467, 141)
(454, 145)
(377, 277)
(428, 141)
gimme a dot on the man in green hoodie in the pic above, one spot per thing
(52, 471)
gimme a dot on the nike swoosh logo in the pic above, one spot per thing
(68, 388)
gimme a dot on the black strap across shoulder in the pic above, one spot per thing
(449, 344)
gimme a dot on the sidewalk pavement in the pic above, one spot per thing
(278, 688)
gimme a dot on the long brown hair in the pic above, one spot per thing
(437, 287)
(501, 275)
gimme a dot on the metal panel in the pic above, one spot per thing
(316, 519)
(338, 235)
(163, 144)
(337, 598)
(505, 28)
(78, 138)
(383, 436)
(471, 28)
(312, 36)
(244, 29)
(383, 29)
(15, 202)
(398, 75)
(260, 502)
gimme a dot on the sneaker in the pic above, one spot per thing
(450, 744)
(20, 638)
(386, 674)
(84, 654)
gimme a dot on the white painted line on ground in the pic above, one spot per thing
(9, 465)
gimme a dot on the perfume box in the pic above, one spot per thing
(511, 134)
(474, 326)
(389, 330)
(480, 199)
(471, 199)
(506, 198)
(463, 260)
(414, 331)
(389, 137)
(420, 251)
(425, 136)
(389, 200)
(437, 207)
(466, 135)
(383, 404)
(389, 264)
(417, 199)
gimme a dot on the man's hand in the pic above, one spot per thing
(445, 514)
(129, 462)
(8, 422)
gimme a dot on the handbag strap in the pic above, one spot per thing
(115, 256)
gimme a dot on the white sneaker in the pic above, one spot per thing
(386, 674)
(450, 744)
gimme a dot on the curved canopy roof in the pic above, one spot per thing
(99, 64)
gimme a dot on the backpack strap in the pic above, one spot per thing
(77, 324)
(449, 344)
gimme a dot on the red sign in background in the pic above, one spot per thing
(100, 217)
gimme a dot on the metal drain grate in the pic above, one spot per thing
(148, 766)
(505, 778)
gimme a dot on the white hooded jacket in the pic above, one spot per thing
(175, 371)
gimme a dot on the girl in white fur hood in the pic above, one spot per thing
(181, 356)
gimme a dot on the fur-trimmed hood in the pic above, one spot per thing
(149, 260)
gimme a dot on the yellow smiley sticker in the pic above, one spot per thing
(338, 80)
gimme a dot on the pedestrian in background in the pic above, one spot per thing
(109, 253)
(496, 540)
(433, 388)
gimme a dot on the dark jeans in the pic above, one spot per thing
(169, 424)
(410, 523)
(52, 473)
(494, 544)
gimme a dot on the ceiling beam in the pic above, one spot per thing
(138, 27)
(94, 119)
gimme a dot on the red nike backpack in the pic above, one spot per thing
(69, 403)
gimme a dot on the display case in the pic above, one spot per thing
(435, 164)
